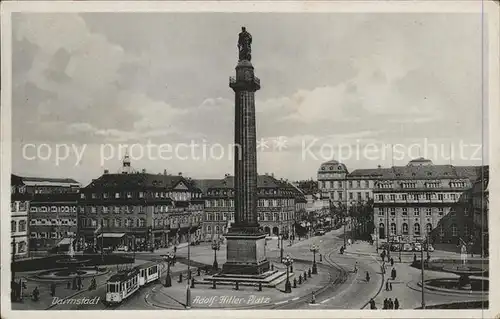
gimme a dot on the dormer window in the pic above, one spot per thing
(141, 194)
(94, 195)
(339, 167)
(82, 196)
(105, 195)
(129, 195)
(117, 195)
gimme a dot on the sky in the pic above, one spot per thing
(346, 86)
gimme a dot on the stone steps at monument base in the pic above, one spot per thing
(271, 281)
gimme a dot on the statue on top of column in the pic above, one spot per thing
(245, 45)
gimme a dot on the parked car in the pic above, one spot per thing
(407, 247)
(320, 232)
(122, 248)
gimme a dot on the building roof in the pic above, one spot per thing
(140, 181)
(54, 198)
(48, 181)
(16, 180)
(370, 172)
(332, 166)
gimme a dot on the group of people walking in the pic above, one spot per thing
(389, 304)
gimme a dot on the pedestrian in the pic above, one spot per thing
(396, 303)
(391, 304)
(390, 286)
(387, 285)
(372, 304)
(393, 273)
(80, 283)
(414, 258)
(386, 303)
(53, 289)
(392, 262)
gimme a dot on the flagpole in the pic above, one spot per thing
(102, 241)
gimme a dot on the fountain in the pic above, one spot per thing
(73, 268)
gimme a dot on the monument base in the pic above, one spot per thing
(246, 254)
(270, 278)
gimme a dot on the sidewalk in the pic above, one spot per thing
(62, 292)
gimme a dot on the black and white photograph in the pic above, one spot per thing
(207, 156)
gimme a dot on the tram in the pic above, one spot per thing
(127, 282)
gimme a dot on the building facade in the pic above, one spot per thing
(423, 200)
(139, 211)
(276, 205)
(480, 212)
(19, 208)
(53, 211)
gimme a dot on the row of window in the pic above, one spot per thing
(20, 247)
(359, 195)
(426, 196)
(53, 209)
(262, 191)
(140, 222)
(18, 206)
(416, 211)
(122, 209)
(260, 216)
(260, 203)
(428, 229)
(51, 235)
(350, 184)
(18, 226)
(178, 196)
(54, 222)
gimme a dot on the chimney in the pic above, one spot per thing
(272, 175)
(144, 171)
(106, 171)
(180, 173)
(379, 166)
(164, 172)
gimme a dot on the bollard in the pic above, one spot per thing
(272, 266)
(260, 286)
(309, 272)
(180, 277)
(192, 283)
(291, 268)
(214, 285)
(294, 282)
(305, 275)
(313, 298)
(237, 286)
(300, 279)
(320, 257)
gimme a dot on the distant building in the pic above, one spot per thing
(276, 205)
(420, 199)
(53, 220)
(19, 207)
(139, 210)
(480, 212)
(50, 208)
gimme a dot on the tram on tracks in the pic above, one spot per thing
(125, 283)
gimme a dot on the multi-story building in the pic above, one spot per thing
(480, 210)
(139, 210)
(276, 205)
(19, 207)
(332, 183)
(52, 212)
(420, 199)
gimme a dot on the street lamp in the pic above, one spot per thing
(314, 249)
(281, 248)
(215, 247)
(169, 258)
(422, 271)
(288, 261)
(188, 288)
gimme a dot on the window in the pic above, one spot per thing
(350, 184)
(405, 229)
(142, 222)
(359, 196)
(441, 230)
(393, 211)
(405, 211)
(217, 229)
(53, 209)
(93, 210)
(380, 211)
(380, 197)
(428, 196)
(393, 229)
(404, 197)
(416, 229)
(393, 197)
(428, 228)
(416, 212)
(362, 184)
(466, 211)
(350, 195)
(440, 211)
(141, 194)
(129, 195)
(13, 226)
(454, 230)
(117, 195)
(428, 211)
(440, 196)
(453, 196)
(466, 230)
(22, 226)
(340, 195)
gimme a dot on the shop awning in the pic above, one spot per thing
(65, 241)
(111, 235)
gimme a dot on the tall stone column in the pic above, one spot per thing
(245, 242)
